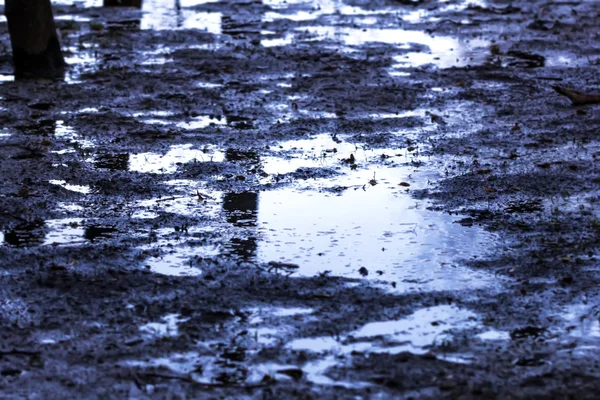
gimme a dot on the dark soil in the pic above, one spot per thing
(517, 160)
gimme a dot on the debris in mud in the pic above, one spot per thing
(524, 206)
(577, 98)
(528, 331)
(522, 59)
(282, 266)
(215, 199)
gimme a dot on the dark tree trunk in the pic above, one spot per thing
(123, 3)
(35, 46)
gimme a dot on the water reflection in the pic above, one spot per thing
(416, 333)
(95, 232)
(241, 208)
(373, 232)
(357, 222)
(176, 155)
(66, 231)
(444, 51)
(113, 162)
(171, 14)
(241, 211)
(26, 234)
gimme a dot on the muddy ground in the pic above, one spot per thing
(304, 200)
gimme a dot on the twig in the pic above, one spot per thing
(577, 98)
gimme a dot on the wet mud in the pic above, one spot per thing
(336, 199)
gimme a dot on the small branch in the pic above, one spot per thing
(577, 98)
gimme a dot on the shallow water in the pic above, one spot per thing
(415, 333)
(168, 163)
(357, 221)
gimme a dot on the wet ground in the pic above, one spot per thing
(303, 199)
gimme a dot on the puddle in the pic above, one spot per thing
(74, 188)
(74, 18)
(374, 232)
(311, 10)
(180, 262)
(213, 368)
(53, 232)
(62, 131)
(444, 51)
(69, 135)
(7, 78)
(494, 335)
(65, 231)
(167, 328)
(168, 163)
(183, 363)
(71, 207)
(26, 234)
(359, 223)
(184, 252)
(289, 312)
(416, 333)
(88, 110)
(208, 85)
(187, 204)
(80, 62)
(201, 122)
(584, 321)
(318, 152)
(156, 113)
(166, 15)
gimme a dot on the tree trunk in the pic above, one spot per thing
(123, 3)
(35, 46)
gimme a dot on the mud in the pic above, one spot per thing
(303, 199)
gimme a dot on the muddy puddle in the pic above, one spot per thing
(346, 210)
(248, 195)
(423, 332)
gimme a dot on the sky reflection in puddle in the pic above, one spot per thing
(370, 229)
(310, 10)
(180, 261)
(584, 321)
(167, 328)
(441, 51)
(358, 223)
(199, 122)
(444, 51)
(53, 232)
(169, 162)
(418, 333)
(415, 333)
(164, 14)
(74, 188)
